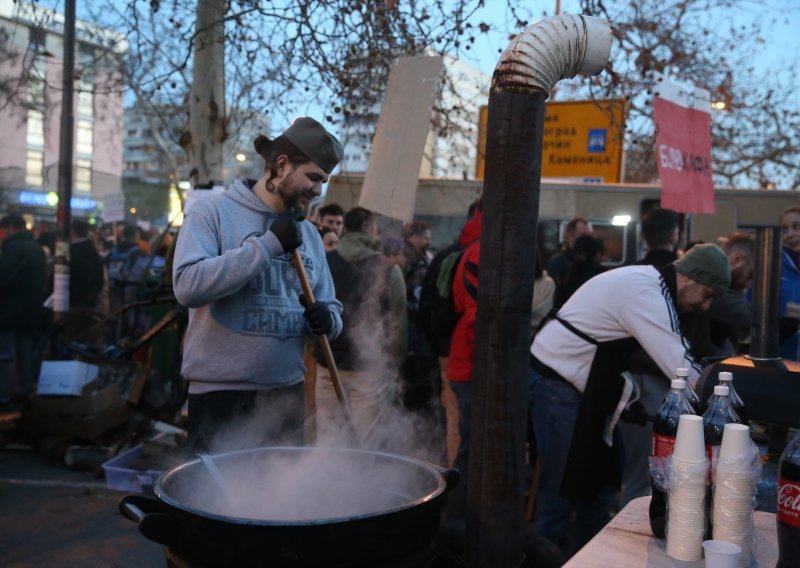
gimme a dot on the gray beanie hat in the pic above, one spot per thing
(316, 143)
(708, 265)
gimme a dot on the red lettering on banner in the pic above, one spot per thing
(788, 502)
(683, 155)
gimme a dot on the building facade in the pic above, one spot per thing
(31, 67)
(152, 153)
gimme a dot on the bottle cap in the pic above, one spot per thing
(722, 390)
(679, 384)
(725, 376)
(682, 372)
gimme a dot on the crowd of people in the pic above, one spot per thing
(107, 270)
(401, 325)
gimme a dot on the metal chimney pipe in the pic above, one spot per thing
(547, 51)
(765, 344)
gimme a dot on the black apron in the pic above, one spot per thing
(591, 464)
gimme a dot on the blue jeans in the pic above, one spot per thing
(555, 411)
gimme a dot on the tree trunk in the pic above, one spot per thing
(207, 132)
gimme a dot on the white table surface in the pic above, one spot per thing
(627, 542)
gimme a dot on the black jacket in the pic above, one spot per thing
(658, 257)
(22, 283)
(85, 274)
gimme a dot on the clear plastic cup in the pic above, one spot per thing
(721, 554)
(689, 441)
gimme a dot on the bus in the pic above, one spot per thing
(614, 210)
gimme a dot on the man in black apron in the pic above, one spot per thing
(579, 357)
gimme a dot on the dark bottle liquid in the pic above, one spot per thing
(718, 413)
(691, 395)
(789, 506)
(665, 427)
(726, 379)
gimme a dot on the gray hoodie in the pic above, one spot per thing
(246, 325)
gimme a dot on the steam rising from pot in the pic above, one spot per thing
(319, 485)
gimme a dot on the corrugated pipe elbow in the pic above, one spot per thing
(552, 49)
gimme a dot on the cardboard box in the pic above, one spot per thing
(65, 378)
(93, 400)
(86, 427)
(128, 376)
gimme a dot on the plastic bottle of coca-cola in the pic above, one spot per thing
(665, 427)
(694, 400)
(789, 506)
(718, 413)
(726, 379)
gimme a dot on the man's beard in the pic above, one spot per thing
(291, 197)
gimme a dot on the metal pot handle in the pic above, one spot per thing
(154, 524)
(452, 477)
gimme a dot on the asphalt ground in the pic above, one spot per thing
(54, 517)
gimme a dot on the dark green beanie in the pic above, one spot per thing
(708, 265)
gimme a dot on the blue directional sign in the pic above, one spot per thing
(596, 140)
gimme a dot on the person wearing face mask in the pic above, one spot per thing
(580, 357)
(243, 350)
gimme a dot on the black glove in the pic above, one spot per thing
(286, 229)
(318, 315)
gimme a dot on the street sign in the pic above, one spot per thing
(114, 207)
(582, 140)
(390, 184)
(682, 116)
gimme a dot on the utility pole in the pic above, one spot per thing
(64, 211)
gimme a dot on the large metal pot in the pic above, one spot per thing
(333, 507)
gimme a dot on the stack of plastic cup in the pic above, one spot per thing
(734, 487)
(686, 494)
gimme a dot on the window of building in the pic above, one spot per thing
(83, 176)
(35, 128)
(132, 132)
(36, 39)
(85, 102)
(34, 168)
(86, 62)
(84, 139)
(36, 82)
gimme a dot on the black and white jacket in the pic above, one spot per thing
(628, 302)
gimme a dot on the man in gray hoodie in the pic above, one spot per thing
(243, 351)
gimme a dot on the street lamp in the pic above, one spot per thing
(719, 105)
(241, 157)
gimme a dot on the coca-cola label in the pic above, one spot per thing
(663, 446)
(788, 502)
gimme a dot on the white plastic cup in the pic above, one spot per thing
(689, 441)
(735, 442)
(721, 554)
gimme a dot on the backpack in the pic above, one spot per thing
(437, 307)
